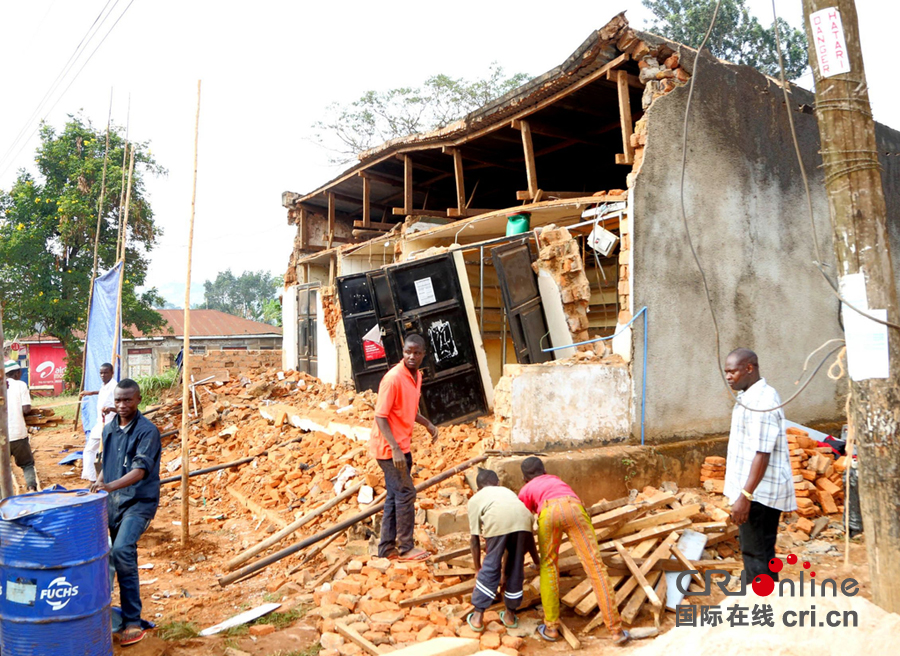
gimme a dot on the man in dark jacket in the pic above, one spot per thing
(131, 453)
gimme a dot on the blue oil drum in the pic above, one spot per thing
(54, 573)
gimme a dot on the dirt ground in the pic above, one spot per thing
(182, 585)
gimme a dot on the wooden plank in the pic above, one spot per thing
(460, 181)
(375, 225)
(401, 211)
(330, 230)
(566, 632)
(716, 538)
(644, 585)
(528, 146)
(661, 552)
(633, 607)
(656, 531)
(709, 527)
(662, 589)
(353, 636)
(383, 179)
(366, 200)
(454, 571)
(453, 212)
(688, 566)
(660, 518)
(576, 594)
(606, 506)
(453, 553)
(407, 185)
(257, 509)
(633, 80)
(589, 603)
(340, 562)
(625, 117)
(625, 513)
(527, 195)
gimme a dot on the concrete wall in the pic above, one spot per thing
(573, 406)
(747, 213)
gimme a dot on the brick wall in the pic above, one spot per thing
(234, 362)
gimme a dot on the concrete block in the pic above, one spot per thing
(441, 647)
(448, 520)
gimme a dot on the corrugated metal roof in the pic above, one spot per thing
(208, 323)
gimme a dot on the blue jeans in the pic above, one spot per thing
(125, 529)
(399, 518)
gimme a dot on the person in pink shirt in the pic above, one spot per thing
(559, 511)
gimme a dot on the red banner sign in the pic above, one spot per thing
(46, 366)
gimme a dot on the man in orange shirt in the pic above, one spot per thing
(396, 412)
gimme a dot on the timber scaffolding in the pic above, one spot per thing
(576, 129)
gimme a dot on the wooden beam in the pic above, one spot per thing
(453, 212)
(633, 80)
(460, 182)
(304, 222)
(402, 211)
(407, 185)
(547, 195)
(330, 231)
(625, 117)
(383, 179)
(375, 225)
(367, 210)
(528, 147)
(353, 636)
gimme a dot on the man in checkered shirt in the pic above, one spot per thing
(759, 482)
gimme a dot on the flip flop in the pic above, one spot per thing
(541, 630)
(132, 635)
(514, 625)
(623, 639)
(414, 555)
(476, 629)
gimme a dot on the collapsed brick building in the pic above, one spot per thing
(413, 238)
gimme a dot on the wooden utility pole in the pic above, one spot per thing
(861, 245)
(6, 480)
(186, 355)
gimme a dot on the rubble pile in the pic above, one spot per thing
(712, 474)
(42, 418)
(817, 477)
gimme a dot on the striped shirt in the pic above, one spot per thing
(753, 432)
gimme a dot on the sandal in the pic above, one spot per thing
(623, 639)
(542, 631)
(132, 634)
(415, 554)
(476, 629)
(514, 625)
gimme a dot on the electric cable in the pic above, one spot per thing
(862, 163)
(693, 250)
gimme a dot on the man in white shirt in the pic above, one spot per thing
(758, 478)
(18, 402)
(105, 412)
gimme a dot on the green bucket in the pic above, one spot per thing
(516, 224)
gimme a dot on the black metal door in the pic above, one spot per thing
(364, 340)
(306, 329)
(427, 299)
(522, 301)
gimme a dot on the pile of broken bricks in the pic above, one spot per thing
(368, 604)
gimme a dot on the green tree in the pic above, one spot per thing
(378, 116)
(244, 296)
(737, 37)
(47, 226)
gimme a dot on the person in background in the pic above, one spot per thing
(497, 515)
(759, 482)
(130, 462)
(396, 412)
(105, 411)
(18, 402)
(560, 511)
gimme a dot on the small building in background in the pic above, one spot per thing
(146, 354)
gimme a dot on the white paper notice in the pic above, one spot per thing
(425, 292)
(867, 345)
(867, 340)
(831, 47)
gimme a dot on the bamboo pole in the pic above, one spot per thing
(242, 558)
(341, 526)
(186, 357)
(6, 479)
(117, 331)
(124, 163)
(87, 322)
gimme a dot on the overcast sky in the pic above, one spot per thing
(269, 69)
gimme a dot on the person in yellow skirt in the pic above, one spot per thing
(559, 511)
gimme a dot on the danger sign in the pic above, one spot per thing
(831, 47)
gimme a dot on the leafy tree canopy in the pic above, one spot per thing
(47, 226)
(379, 116)
(247, 295)
(737, 37)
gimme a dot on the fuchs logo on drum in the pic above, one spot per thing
(59, 593)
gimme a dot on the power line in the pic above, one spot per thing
(696, 257)
(72, 81)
